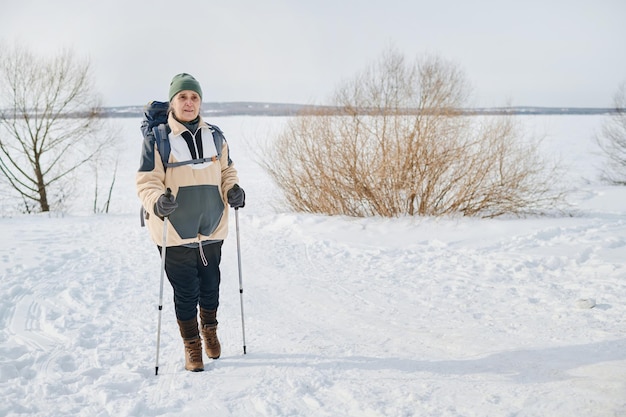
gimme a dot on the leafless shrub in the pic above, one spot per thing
(400, 147)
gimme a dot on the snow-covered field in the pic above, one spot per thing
(344, 317)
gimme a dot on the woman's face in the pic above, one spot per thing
(186, 105)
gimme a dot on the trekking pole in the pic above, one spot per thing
(243, 325)
(168, 193)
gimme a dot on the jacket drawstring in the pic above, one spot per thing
(204, 261)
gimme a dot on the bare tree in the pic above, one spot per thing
(612, 140)
(49, 124)
(401, 147)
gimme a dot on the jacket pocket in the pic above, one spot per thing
(200, 210)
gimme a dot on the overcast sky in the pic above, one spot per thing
(522, 52)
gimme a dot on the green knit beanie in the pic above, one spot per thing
(182, 82)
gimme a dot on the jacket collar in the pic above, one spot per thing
(178, 128)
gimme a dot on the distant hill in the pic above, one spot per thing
(245, 108)
(242, 108)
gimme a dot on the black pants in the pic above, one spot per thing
(193, 282)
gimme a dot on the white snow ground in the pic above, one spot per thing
(344, 317)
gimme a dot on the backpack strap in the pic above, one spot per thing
(218, 139)
(161, 136)
(192, 162)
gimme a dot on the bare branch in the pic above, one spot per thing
(612, 141)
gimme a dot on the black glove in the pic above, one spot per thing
(166, 204)
(236, 197)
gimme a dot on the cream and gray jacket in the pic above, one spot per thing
(200, 189)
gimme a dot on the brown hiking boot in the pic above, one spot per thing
(193, 355)
(193, 345)
(209, 333)
(211, 342)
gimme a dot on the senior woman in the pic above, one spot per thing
(203, 182)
